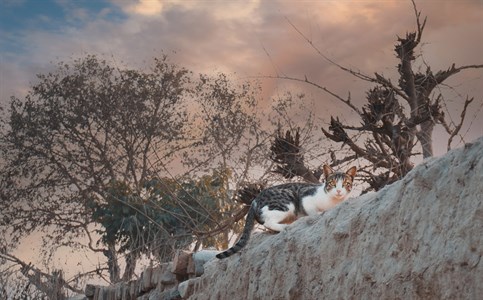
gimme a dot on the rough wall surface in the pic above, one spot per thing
(419, 238)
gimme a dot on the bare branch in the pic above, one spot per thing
(47, 283)
(455, 131)
(388, 84)
(418, 22)
(287, 154)
(441, 76)
(336, 162)
(340, 136)
(226, 225)
(309, 41)
(245, 195)
(306, 80)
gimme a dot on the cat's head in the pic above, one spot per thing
(338, 184)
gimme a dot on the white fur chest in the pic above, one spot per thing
(319, 202)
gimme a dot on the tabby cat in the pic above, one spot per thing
(276, 206)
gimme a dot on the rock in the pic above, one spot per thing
(168, 278)
(78, 297)
(90, 290)
(168, 295)
(180, 262)
(419, 238)
(190, 269)
(157, 274)
(186, 288)
(200, 258)
(133, 289)
(145, 281)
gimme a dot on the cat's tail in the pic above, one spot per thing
(249, 224)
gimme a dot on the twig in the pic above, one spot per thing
(236, 217)
(309, 41)
(306, 80)
(458, 127)
(35, 279)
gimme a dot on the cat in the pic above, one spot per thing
(276, 206)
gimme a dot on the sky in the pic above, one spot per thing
(248, 39)
(251, 39)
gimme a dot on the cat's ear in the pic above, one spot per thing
(352, 172)
(327, 171)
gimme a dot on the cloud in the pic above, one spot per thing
(146, 7)
(236, 36)
(218, 9)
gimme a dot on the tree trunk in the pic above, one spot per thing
(112, 263)
(131, 259)
(425, 137)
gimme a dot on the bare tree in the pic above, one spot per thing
(395, 118)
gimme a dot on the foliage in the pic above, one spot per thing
(79, 129)
(89, 154)
(163, 215)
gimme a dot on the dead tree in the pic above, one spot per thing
(287, 154)
(395, 119)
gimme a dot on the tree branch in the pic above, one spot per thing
(287, 154)
(226, 225)
(339, 137)
(441, 76)
(51, 284)
(458, 127)
(306, 80)
(309, 41)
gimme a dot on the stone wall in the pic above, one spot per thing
(167, 281)
(419, 238)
